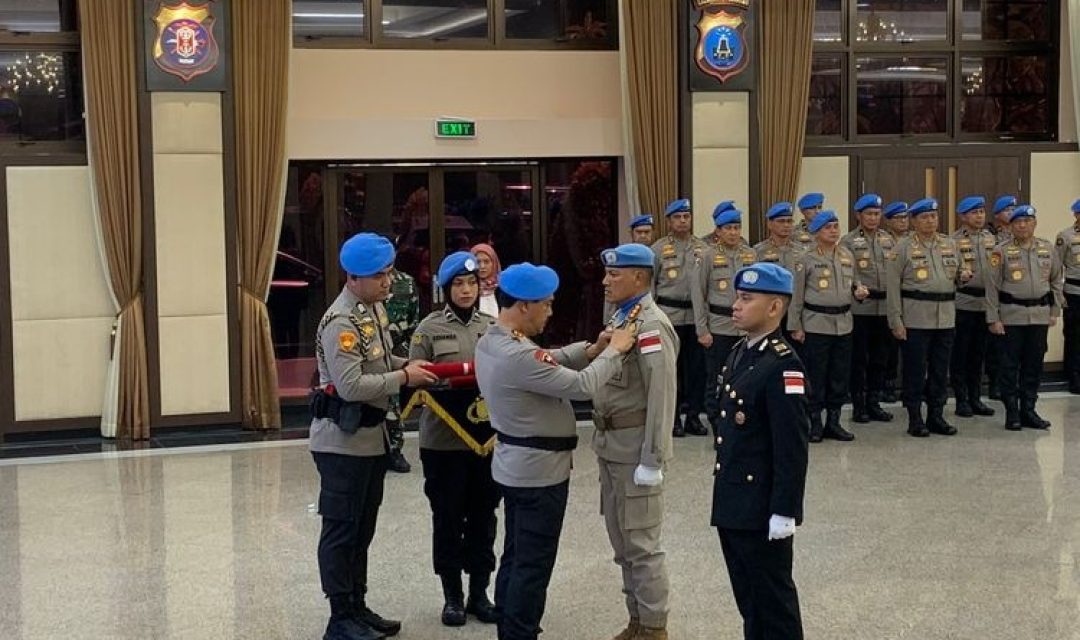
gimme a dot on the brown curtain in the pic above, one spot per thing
(109, 47)
(261, 41)
(786, 47)
(651, 48)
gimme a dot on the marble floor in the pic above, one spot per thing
(976, 536)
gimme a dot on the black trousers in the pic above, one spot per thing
(760, 573)
(828, 361)
(463, 499)
(926, 354)
(1021, 362)
(892, 364)
(1072, 335)
(351, 490)
(715, 357)
(969, 351)
(994, 346)
(871, 339)
(534, 518)
(690, 366)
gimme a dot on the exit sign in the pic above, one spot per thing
(455, 129)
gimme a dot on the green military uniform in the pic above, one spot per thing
(403, 309)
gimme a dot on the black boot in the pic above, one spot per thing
(890, 394)
(479, 604)
(874, 410)
(453, 611)
(816, 428)
(694, 426)
(1074, 384)
(833, 429)
(935, 422)
(978, 407)
(993, 391)
(1030, 419)
(398, 463)
(916, 426)
(678, 431)
(963, 407)
(343, 625)
(858, 409)
(1012, 414)
(364, 616)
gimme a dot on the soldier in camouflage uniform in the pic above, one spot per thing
(403, 308)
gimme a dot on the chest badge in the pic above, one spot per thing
(672, 274)
(922, 274)
(722, 285)
(1017, 275)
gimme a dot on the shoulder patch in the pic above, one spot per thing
(794, 383)
(544, 357)
(347, 340)
(650, 342)
(418, 338)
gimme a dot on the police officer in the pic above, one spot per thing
(357, 375)
(761, 458)
(528, 392)
(975, 242)
(1023, 299)
(403, 309)
(820, 318)
(641, 229)
(632, 440)
(718, 274)
(809, 205)
(457, 481)
(896, 223)
(713, 237)
(870, 245)
(779, 247)
(1068, 254)
(921, 293)
(676, 285)
(1003, 208)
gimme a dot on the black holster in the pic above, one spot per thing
(348, 416)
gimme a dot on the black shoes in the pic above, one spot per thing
(859, 410)
(1032, 420)
(816, 428)
(479, 604)
(678, 431)
(980, 409)
(876, 413)
(833, 430)
(694, 426)
(964, 408)
(386, 628)
(916, 426)
(398, 463)
(935, 422)
(349, 629)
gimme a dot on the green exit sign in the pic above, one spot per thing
(455, 129)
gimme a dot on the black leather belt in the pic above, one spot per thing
(569, 443)
(1073, 281)
(876, 295)
(673, 303)
(1008, 298)
(926, 296)
(832, 311)
(977, 292)
(721, 311)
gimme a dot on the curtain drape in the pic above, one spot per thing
(1074, 49)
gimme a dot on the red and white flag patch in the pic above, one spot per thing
(794, 383)
(649, 342)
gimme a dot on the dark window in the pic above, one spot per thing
(38, 16)
(434, 19)
(1005, 94)
(495, 207)
(40, 96)
(824, 116)
(1006, 20)
(899, 95)
(583, 20)
(829, 21)
(901, 20)
(329, 19)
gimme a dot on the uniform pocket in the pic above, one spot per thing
(337, 505)
(644, 507)
(445, 348)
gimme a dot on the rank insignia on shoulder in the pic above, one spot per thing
(418, 338)
(545, 357)
(781, 348)
(517, 335)
(347, 340)
(368, 329)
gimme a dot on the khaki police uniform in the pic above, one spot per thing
(871, 337)
(633, 413)
(717, 274)
(803, 238)
(786, 255)
(1067, 248)
(969, 344)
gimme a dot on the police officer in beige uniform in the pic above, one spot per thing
(870, 245)
(1003, 208)
(678, 292)
(718, 274)
(921, 299)
(897, 224)
(528, 392)
(1023, 298)
(633, 443)
(779, 247)
(1068, 254)
(641, 229)
(349, 442)
(975, 242)
(820, 318)
(809, 205)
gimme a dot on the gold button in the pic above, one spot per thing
(719, 441)
(749, 478)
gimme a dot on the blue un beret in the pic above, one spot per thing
(778, 210)
(528, 282)
(971, 203)
(895, 209)
(868, 201)
(629, 255)
(764, 277)
(366, 254)
(679, 206)
(1004, 201)
(1076, 207)
(822, 219)
(730, 216)
(726, 205)
(926, 205)
(1022, 211)
(811, 200)
(456, 264)
(641, 221)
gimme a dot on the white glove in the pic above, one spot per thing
(647, 476)
(781, 527)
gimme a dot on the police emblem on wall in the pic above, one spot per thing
(723, 50)
(187, 42)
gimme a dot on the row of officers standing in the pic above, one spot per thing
(893, 291)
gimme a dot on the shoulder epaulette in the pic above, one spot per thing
(780, 347)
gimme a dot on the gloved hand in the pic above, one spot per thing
(781, 527)
(648, 476)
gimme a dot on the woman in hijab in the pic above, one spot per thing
(488, 268)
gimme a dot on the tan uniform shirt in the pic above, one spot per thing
(1067, 248)
(803, 238)
(442, 337)
(871, 251)
(924, 268)
(823, 279)
(786, 255)
(974, 251)
(643, 391)
(1020, 275)
(353, 348)
(675, 279)
(719, 266)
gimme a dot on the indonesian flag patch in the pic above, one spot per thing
(649, 342)
(794, 383)
(545, 357)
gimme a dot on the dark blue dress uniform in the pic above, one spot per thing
(760, 472)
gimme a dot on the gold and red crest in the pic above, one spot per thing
(185, 45)
(722, 49)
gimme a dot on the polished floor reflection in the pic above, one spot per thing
(976, 536)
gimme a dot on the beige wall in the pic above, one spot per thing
(721, 154)
(189, 223)
(61, 309)
(1055, 184)
(382, 105)
(828, 175)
